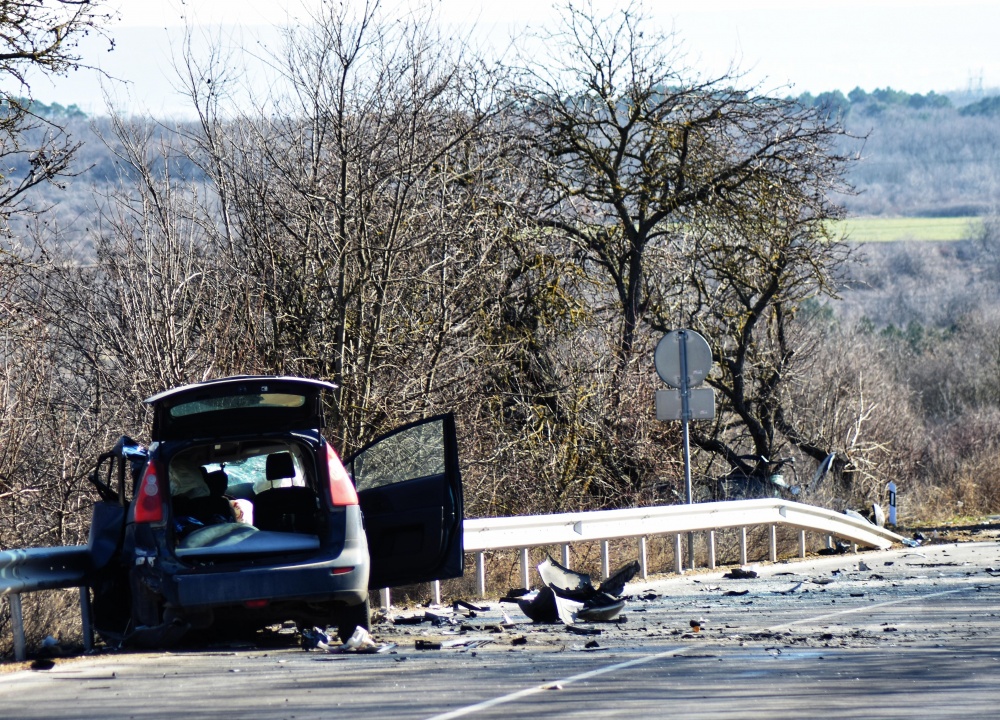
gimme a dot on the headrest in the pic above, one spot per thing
(217, 482)
(280, 466)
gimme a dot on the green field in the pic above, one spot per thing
(888, 229)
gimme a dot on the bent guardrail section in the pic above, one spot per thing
(34, 569)
(482, 534)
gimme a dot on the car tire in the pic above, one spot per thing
(353, 617)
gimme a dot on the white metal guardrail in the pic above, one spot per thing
(34, 569)
(521, 533)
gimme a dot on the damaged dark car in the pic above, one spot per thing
(239, 515)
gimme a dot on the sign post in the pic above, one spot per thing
(683, 360)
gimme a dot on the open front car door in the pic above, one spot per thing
(410, 491)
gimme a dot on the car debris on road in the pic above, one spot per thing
(570, 597)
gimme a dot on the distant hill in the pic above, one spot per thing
(933, 155)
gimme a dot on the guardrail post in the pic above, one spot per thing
(386, 599)
(481, 573)
(643, 565)
(85, 616)
(436, 589)
(525, 583)
(605, 560)
(802, 544)
(711, 549)
(774, 543)
(17, 625)
(743, 546)
(678, 562)
(565, 555)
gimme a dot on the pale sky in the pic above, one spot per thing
(809, 45)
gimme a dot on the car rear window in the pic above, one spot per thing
(231, 402)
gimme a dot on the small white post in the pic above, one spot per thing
(774, 543)
(386, 599)
(802, 544)
(524, 569)
(743, 546)
(643, 564)
(436, 589)
(565, 556)
(892, 504)
(17, 625)
(481, 573)
(678, 562)
(605, 560)
(711, 549)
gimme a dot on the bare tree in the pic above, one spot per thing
(358, 210)
(37, 36)
(692, 201)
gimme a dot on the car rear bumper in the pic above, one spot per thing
(340, 579)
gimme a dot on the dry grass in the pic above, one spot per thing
(55, 613)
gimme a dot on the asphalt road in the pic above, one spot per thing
(902, 633)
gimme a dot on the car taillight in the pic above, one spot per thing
(149, 502)
(342, 490)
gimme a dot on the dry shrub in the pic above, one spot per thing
(55, 613)
(962, 475)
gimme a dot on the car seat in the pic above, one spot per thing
(285, 509)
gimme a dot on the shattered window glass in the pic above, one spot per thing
(415, 452)
(275, 400)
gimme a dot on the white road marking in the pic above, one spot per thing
(503, 699)
(863, 608)
(527, 692)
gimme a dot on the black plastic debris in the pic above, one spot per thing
(740, 574)
(468, 606)
(427, 645)
(570, 596)
(576, 630)
(615, 584)
(735, 593)
(839, 548)
(539, 607)
(409, 620)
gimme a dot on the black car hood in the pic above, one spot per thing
(238, 406)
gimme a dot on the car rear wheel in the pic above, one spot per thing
(353, 617)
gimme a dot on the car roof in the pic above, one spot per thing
(238, 405)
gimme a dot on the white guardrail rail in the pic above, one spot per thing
(35, 569)
(524, 532)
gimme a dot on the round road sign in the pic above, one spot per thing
(668, 358)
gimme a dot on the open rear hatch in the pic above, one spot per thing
(238, 406)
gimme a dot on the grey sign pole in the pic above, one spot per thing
(685, 432)
(683, 360)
